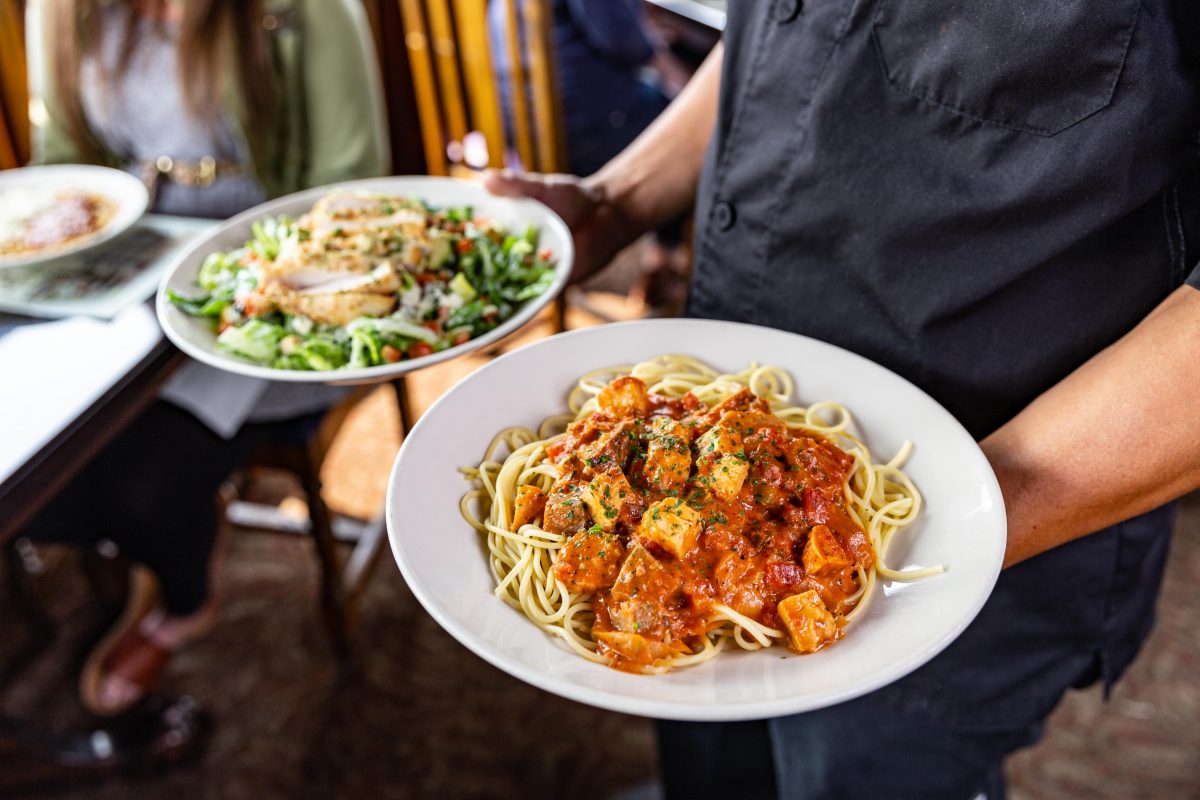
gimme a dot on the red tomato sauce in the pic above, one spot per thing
(725, 505)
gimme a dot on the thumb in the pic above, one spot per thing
(570, 197)
(507, 183)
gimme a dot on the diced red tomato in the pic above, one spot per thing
(795, 515)
(784, 577)
(544, 254)
(255, 304)
(464, 246)
(424, 277)
(433, 325)
(462, 337)
(418, 349)
(820, 509)
(390, 354)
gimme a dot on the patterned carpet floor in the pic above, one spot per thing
(418, 716)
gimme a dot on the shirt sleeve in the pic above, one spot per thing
(613, 28)
(1193, 280)
(347, 131)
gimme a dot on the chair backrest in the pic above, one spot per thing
(450, 56)
(14, 92)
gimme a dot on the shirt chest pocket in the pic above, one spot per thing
(1037, 66)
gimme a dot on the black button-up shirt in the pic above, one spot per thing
(978, 195)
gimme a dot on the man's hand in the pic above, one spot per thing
(650, 182)
(599, 227)
(1116, 438)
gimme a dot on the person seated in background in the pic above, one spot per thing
(218, 105)
(608, 65)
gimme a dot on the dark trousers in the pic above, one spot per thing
(153, 493)
(1068, 618)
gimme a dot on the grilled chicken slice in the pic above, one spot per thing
(384, 279)
(333, 309)
(310, 260)
(354, 212)
(352, 232)
(333, 302)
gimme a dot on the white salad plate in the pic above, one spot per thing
(26, 187)
(196, 336)
(962, 525)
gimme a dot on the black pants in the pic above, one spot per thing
(1067, 618)
(153, 493)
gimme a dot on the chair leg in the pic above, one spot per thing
(559, 307)
(403, 405)
(367, 551)
(332, 607)
(362, 563)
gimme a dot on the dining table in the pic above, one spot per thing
(75, 372)
(74, 383)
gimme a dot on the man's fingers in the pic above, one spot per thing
(567, 195)
(507, 183)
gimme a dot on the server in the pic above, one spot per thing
(998, 201)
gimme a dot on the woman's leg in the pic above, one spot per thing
(152, 492)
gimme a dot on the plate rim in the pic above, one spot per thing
(359, 375)
(725, 712)
(135, 211)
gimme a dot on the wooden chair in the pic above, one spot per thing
(450, 58)
(342, 581)
(14, 93)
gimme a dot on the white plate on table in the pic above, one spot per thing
(126, 192)
(196, 336)
(962, 525)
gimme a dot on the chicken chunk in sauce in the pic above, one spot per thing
(670, 508)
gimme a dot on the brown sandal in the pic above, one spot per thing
(124, 650)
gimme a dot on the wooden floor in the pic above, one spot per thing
(418, 716)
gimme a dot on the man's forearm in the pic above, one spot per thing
(1117, 437)
(654, 179)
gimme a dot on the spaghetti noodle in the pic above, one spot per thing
(625, 578)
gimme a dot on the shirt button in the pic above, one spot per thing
(723, 216)
(787, 10)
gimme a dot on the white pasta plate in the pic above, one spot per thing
(197, 337)
(961, 527)
(21, 190)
